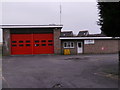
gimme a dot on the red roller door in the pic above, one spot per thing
(32, 44)
(43, 44)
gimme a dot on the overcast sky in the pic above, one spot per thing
(76, 16)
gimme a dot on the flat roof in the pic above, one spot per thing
(74, 38)
(31, 26)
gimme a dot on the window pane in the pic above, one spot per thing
(28, 41)
(14, 45)
(43, 41)
(36, 41)
(37, 45)
(43, 44)
(20, 41)
(65, 44)
(68, 44)
(49, 40)
(27, 44)
(50, 44)
(79, 44)
(21, 45)
(72, 44)
(14, 41)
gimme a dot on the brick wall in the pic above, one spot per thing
(102, 46)
(6, 42)
(57, 42)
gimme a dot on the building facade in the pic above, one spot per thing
(48, 39)
(89, 45)
(31, 39)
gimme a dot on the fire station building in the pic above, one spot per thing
(31, 39)
(48, 39)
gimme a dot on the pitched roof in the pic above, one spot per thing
(83, 33)
(66, 34)
(96, 35)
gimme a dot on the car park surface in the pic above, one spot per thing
(66, 71)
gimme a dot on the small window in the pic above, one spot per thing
(72, 44)
(68, 44)
(27, 41)
(79, 45)
(20, 41)
(43, 44)
(49, 40)
(43, 41)
(14, 45)
(21, 45)
(37, 45)
(36, 41)
(50, 44)
(27, 44)
(65, 44)
(14, 41)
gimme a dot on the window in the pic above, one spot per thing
(49, 40)
(21, 45)
(37, 45)
(27, 41)
(14, 41)
(50, 44)
(27, 44)
(43, 41)
(43, 44)
(72, 44)
(20, 41)
(68, 44)
(79, 45)
(36, 41)
(14, 45)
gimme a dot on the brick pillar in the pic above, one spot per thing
(6, 50)
(57, 41)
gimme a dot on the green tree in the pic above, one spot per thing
(109, 13)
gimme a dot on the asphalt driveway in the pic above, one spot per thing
(49, 71)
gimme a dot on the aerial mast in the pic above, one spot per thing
(60, 12)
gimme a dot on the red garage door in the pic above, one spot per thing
(43, 44)
(32, 44)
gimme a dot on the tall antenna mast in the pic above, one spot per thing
(60, 12)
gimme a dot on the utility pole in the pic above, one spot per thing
(60, 12)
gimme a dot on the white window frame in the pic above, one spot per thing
(68, 45)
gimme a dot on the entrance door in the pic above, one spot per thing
(79, 47)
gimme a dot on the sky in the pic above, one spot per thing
(75, 15)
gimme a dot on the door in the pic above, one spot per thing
(43, 44)
(21, 44)
(32, 44)
(79, 47)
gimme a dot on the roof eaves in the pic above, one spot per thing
(31, 26)
(86, 38)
